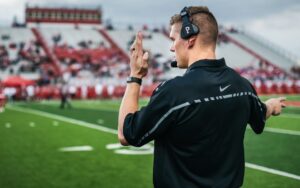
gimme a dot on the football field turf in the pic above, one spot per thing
(43, 146)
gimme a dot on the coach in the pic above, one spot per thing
(197, 120)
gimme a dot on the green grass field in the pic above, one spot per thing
(32, 134)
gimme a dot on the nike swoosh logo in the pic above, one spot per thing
(224, 88)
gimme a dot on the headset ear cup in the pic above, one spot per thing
(195, 29)
(188, 30)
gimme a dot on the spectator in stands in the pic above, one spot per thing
(4, 59)
(198, 120)
(130, 28)
(109, 26)
(56, 39)
(296, 70)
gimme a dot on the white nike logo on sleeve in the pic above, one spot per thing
(224, 88)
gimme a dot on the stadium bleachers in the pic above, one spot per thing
(74, 37)
(15, 35)
(20, 53)
(156, 42)
(240, 57)
(89, 59)
(262, 50)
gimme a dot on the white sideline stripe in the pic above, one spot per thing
(92, 126)
(280, 131)
(132, 152)
(76, 148)
(129, 150)
(290, 116)
(114, 146)
(272, 171)
(119, 146)
(65, 119)
(105, 129)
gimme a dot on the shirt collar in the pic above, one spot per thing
(207, 63)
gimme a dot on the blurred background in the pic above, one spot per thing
(63, 70)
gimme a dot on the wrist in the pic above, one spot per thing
(133, 79)
(136, 76)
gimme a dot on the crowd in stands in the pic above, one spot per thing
(87, 57)
(25, 57)
(263, 71)
(296, 71)
(268, 78)
(108, 69)
(101, 61)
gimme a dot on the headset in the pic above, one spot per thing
(189, 29)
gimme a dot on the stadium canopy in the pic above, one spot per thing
(17, 81)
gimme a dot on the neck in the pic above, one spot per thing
(197, 55)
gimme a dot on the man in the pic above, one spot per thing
(64, 96)
(197, 120)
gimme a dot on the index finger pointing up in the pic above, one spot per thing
(133, 45)
(139, 42)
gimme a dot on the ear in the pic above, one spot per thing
(191, 41)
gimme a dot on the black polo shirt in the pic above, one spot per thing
(198, 122)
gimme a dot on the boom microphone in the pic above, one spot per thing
(174, 64)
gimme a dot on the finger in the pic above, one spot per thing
(139, 43)
(134, 55)
(281, 99)
(133, 46)
(146, 57)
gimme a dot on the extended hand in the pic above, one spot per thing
(275, 105)
(138, 58)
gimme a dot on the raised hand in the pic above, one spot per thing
(138, 58)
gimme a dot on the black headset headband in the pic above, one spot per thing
(189, 29)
